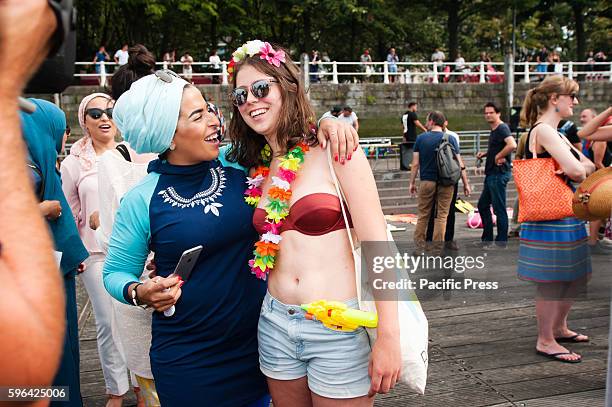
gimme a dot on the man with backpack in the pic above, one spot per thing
(436, 157)
(497, 174)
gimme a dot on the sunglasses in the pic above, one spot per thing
(95, 113)
(259, 89)
(571, 95)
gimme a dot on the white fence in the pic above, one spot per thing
(407, 72)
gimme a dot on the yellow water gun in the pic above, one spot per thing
(338, 316)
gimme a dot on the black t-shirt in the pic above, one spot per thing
(569, 130)
(410, 117)
(496, 144)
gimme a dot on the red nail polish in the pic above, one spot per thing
(349, 157)
(342, 161)
(356, 147)
(336, 157)
(181, 283)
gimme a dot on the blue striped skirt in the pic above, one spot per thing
(554, 251)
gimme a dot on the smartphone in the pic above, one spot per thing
(187, 262)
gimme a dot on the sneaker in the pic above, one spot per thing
(452, 245)
(484, 245)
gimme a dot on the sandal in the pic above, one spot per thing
(555, 356)
(573, 338)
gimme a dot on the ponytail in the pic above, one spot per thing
(141, 62)
(536, 101)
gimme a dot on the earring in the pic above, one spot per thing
(172, 147)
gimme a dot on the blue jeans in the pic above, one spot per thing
(494, 193)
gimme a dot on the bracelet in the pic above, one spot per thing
(134, 295)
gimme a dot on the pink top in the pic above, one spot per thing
(81, 189)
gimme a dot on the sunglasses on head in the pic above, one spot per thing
(259, 89)
(95, 113)
(166, 75)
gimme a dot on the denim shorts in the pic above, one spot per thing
(291, 347)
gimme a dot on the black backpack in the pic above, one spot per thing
(449, 169)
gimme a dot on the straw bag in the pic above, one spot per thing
(593, 197)
(414, 329)
(543, 195)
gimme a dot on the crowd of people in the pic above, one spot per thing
(274, 214)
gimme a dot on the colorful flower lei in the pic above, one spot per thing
(252, 48)
(277, 208)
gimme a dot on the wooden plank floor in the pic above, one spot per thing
(481, 345)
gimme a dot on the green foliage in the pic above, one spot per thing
(344, 28)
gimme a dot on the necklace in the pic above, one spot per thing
(277, 208)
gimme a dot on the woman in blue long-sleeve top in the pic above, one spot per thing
(206, 353)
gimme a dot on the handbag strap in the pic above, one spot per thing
(341, 197)
(124, 152)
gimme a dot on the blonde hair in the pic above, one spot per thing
(536, 101)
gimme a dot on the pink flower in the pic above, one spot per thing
(286, 174)
(253, 192)
(273, 57)
(273, 228)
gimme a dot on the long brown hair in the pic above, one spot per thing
(536, 101)
(295, 118)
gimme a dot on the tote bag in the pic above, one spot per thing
(543, 195)
(414, 329)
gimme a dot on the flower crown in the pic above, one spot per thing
(252, 48)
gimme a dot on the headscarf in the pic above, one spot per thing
(83, 148)
(147, 114)
(43, 132)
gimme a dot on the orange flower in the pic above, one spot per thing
(263, 171)
(279, 193)
(266, 248)
(303, 146)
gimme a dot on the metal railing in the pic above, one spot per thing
(407, 72)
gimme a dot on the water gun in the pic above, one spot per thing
(338, 316)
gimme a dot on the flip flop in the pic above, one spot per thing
(555, 356)
(573, 339)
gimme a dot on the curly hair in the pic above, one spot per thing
(295, 118)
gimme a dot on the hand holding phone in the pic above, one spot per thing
(183, 269)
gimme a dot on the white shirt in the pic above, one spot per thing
(348, 119)
(453, 134)
(214, 59)
(122, 56)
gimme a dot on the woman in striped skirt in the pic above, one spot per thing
(554, 254)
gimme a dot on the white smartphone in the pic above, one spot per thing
(183, 269)
(187, 261)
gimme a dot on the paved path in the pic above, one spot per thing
(481, 346)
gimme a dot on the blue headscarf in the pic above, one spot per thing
(43, 132)
(147, 114)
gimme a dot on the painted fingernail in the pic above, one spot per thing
(342, 161)
(336, 157)
(355, 149)
(181, 283)
(349, 157)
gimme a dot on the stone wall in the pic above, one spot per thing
(380, 100)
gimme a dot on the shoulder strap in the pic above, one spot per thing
(535, 150)
(124, 152)
(340, 197)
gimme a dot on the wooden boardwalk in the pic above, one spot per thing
(481, 346)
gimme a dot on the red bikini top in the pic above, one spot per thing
(314, 215)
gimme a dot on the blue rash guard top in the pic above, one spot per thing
(207, 351)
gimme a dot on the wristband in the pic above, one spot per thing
(135, 296)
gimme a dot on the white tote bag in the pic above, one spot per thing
(414, 328)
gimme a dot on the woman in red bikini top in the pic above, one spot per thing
(312, 254)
